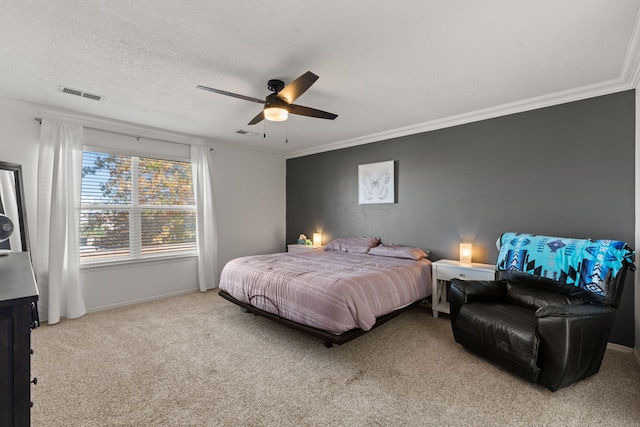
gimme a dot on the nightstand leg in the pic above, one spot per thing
(435, 297)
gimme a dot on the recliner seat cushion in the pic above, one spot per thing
(507, 330)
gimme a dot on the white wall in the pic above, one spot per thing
(249, 191)
(637, 242)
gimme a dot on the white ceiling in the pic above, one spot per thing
(387, 68)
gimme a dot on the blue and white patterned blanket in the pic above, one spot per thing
(588, 264)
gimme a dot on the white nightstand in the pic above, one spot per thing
(302, 248)
(445, 270)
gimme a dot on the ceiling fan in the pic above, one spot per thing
(278, 105)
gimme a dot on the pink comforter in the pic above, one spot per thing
(332, 291)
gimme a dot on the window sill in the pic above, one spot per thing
(133, 261)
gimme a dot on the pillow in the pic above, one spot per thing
(354, 245)
(398, 251)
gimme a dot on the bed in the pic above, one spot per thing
(335, 295)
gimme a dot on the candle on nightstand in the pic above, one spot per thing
(317, 239)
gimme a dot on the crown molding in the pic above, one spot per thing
(631, 68)
(585, 92)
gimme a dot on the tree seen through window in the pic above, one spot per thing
(133, 206)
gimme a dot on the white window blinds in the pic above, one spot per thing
(135, 208)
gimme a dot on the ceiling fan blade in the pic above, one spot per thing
(310, 112)
(235, 95)
(297, 87)
(258, 118)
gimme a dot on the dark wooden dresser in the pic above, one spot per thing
(18, 316)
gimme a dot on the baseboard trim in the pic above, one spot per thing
(141, 300)
(619, 347)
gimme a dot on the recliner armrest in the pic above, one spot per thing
(573, 339)
(573, 310)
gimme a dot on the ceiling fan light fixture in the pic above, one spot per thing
(279, 104)
(275, 113)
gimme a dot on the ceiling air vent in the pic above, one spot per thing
(246, 132)
(80, 93)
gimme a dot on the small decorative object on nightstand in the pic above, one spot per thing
(302, 248)
(465, 253)
(444, 270)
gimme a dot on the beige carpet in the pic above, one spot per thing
(197, 360)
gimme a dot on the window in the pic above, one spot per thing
(135, 208)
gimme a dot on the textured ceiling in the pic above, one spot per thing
(384, 66)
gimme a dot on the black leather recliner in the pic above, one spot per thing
(544, 330)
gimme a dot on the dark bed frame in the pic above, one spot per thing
(328, 337)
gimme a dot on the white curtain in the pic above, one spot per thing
(206, 232)
(57, 258)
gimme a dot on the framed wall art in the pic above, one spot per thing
(376, 183)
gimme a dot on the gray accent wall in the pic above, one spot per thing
(566, 170)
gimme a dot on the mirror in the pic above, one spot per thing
(12, 205)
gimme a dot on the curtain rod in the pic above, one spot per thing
(137, 137)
